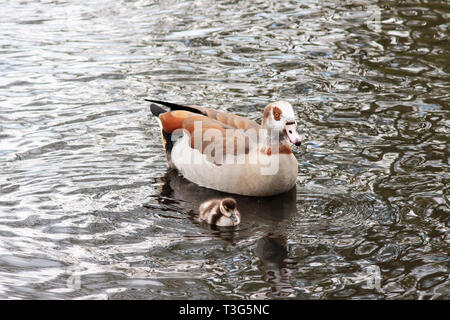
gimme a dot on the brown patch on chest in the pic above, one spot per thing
(283, 149)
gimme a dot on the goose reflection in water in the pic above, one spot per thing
(275, 264)
(264, 216)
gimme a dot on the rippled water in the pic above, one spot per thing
(89, 208)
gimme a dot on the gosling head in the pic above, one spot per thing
(229, 210)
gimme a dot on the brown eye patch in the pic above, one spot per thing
(276, 113)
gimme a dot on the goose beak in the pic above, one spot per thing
(291, 131)
(234, 218)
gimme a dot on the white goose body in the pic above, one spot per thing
(241, 176)
(229, 153)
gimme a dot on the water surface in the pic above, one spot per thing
(89, 209)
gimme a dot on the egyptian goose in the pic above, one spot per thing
(229, 153)
(220, 212)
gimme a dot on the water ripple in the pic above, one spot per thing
(90, 210)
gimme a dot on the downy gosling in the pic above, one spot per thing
(220, 212)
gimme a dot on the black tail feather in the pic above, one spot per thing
(156, 110)
(173, 106)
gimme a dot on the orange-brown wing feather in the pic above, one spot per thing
(231, 120)
(217, 131)
(215, 139)
(173, 120)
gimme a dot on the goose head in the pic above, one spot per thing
(279, 118)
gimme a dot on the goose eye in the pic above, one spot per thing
(276, 113)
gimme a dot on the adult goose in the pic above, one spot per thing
(229, 153)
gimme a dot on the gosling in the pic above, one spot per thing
(220, 212)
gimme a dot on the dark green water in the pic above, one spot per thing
(88, 208)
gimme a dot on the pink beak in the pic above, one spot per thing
(291, 132)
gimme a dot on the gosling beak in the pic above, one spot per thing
(234, 218)
(291, 131)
